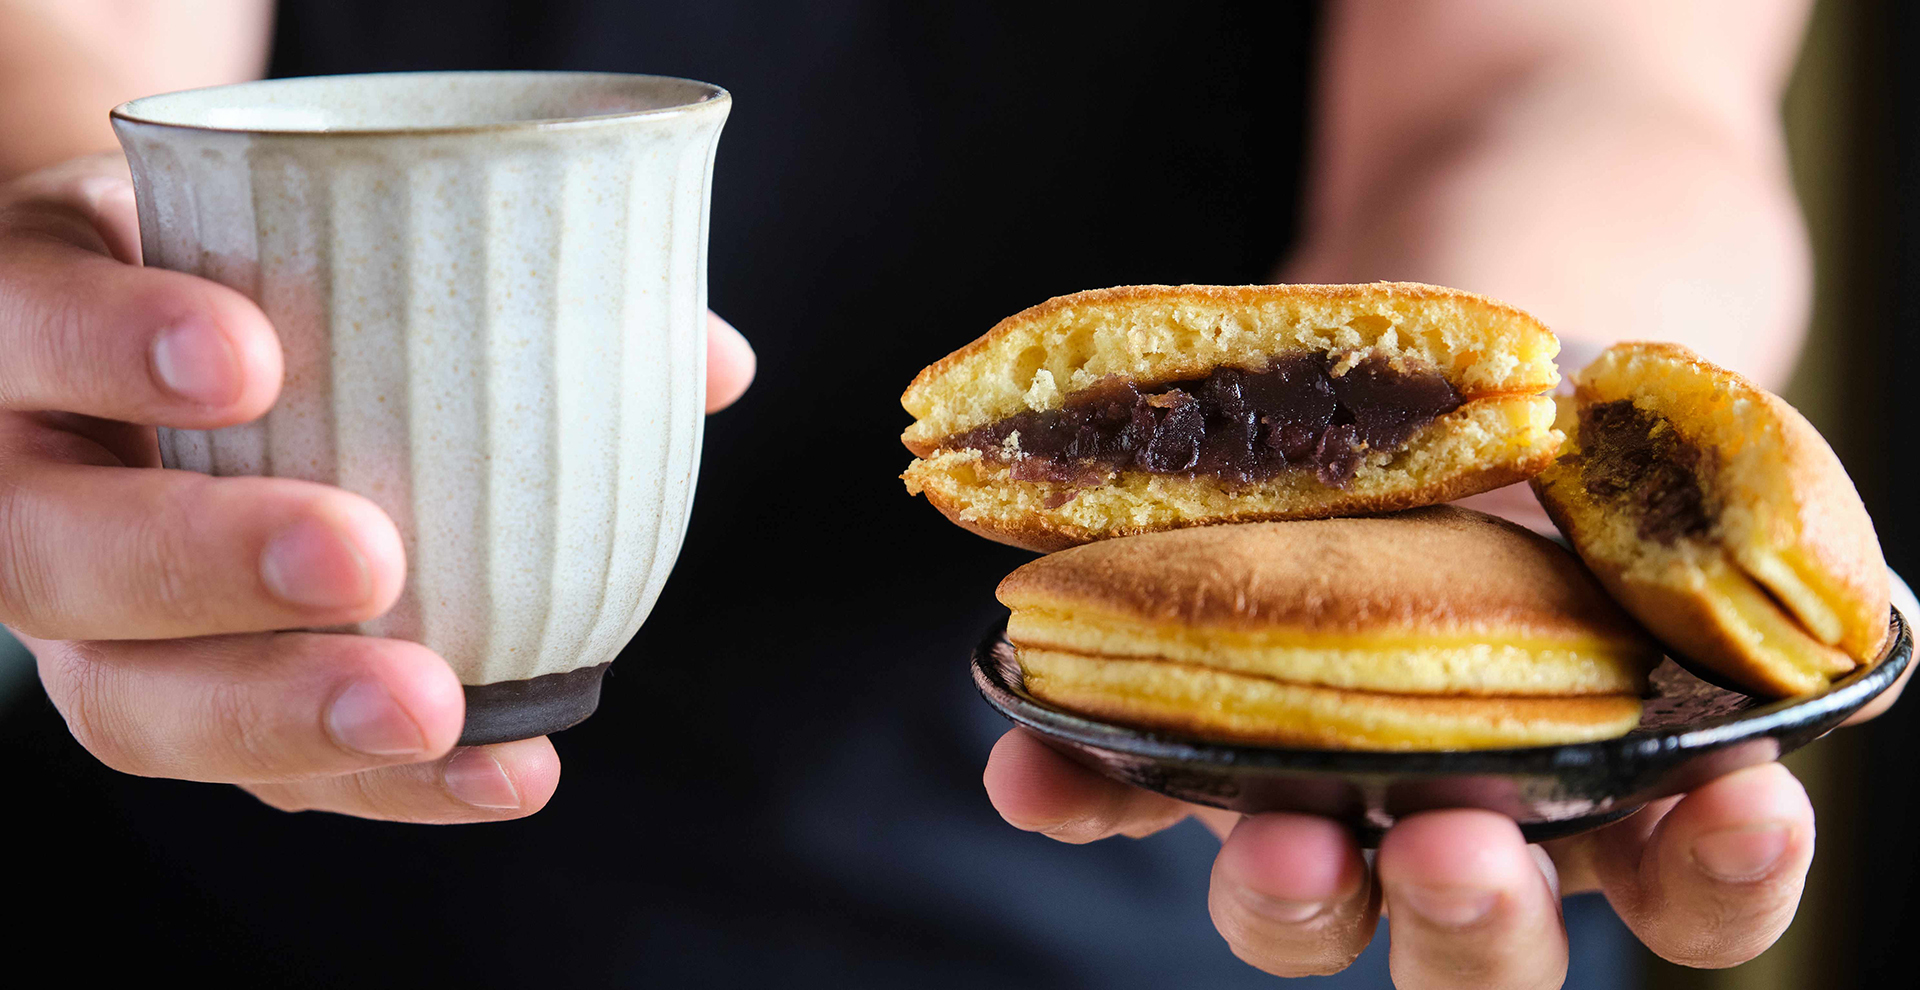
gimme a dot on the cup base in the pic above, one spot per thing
(509, 710)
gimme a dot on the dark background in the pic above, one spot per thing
(1872, 296)
(782, 785)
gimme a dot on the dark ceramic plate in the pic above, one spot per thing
(1690, 732)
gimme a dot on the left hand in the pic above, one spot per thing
(1708, 879)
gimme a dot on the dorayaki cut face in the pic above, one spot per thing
(1431, 629)
(1720, 518)
(1146, 408)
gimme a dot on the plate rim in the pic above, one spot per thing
(1848, 695)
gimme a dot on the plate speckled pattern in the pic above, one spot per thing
(1690, 732)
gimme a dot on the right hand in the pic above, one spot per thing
(150, 597)
(1709, 879)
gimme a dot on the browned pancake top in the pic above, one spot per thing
(1439, 569)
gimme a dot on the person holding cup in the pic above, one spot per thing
(152, 599)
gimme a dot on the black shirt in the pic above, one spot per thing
(782, 786)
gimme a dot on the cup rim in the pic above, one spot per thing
(710, 95)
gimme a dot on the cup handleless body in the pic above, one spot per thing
(493, 327)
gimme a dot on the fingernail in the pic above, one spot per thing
(194, 360)
(365, 718)
(475, 777)
(1282, 910)
(313, 565)
(1549, 870)
(1450, 907)
(1738, 854)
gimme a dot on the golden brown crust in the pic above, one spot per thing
(1436, 628)
(1042, 534)
(1036, 358)
(1694, 625)
(1222, 705)
(1835, 531)
(1786, 519)
(1439, 569)
(1235, 295)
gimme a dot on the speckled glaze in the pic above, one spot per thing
(491, 293)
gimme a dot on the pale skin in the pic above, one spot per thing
(149, 597)
(1616, 168)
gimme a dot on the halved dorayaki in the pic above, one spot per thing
(1142, 408)
(1719, 517)
(1435, 628)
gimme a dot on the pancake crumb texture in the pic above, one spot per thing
(1497, 360)
(1481, 446)
(1784, 586)
(1158, 333)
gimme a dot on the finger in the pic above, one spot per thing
(1472, 905)
(1515, 503)
(1291, 895)
(106, 553)
(1878, 706)
(1038, 790)
(1903, 600)
(1716, 880)
(86, 333)
(1576, 857)
(262, 708)
(730, 364)
(477, 784)
(94, 190)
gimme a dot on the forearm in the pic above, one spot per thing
(65, 63)
(1613, 199)
(1631, 222)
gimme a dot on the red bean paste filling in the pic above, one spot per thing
(1234, 425)
(1634, 459)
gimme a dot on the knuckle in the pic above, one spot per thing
(380, 794)
(29, 598)
(87, 692)
(373, 794)
(245, 730)
(377, 794)
(39, 568)
(18, 577)
(166, 574)
(282, 797)
(50, 349)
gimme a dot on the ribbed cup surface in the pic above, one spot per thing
(497, 336)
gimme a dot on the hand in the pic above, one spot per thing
(1708, 880)
(150, 597)
(1514, 503)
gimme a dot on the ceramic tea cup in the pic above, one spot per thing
(490, 291)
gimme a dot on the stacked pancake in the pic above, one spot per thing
(1436, 628)
(1192, 453)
